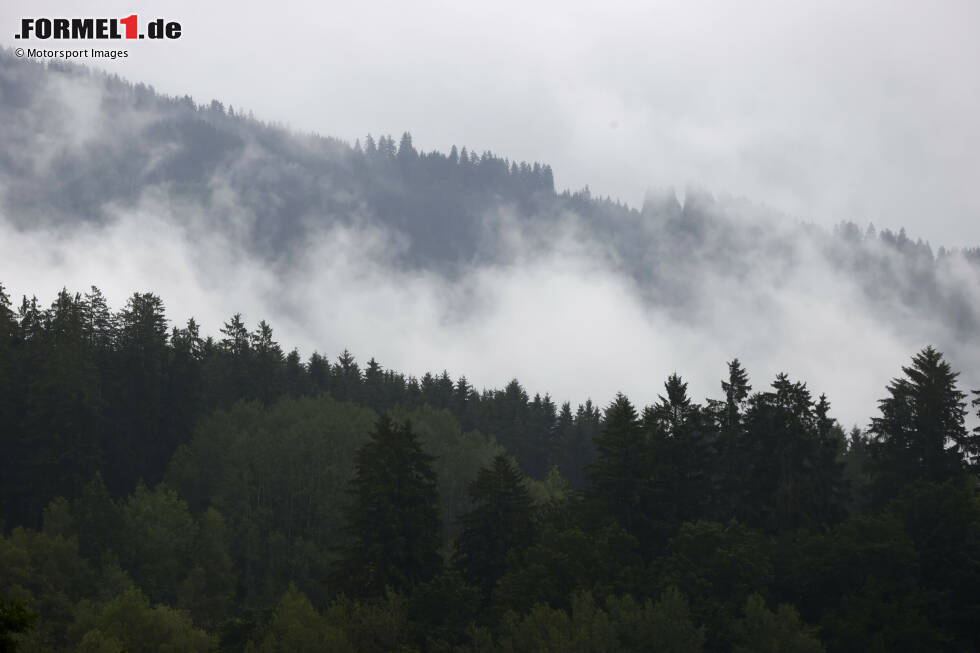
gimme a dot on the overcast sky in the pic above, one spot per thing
(827, 110)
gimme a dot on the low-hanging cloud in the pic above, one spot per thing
(555, 301)
(562, 320)
(827, 109)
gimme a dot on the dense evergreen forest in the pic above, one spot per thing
(168, 491)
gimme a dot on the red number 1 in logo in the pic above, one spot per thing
(130, 23)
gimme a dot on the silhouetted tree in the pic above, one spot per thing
(501, 521)
(393, 520)
(920, 433)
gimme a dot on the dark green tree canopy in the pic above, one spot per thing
(501, 521)
(921, 432)
(393, 519)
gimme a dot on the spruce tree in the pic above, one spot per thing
(138, 395)
(501, 520)
(731, 445)
(393, 519)
(792, 476)
(920, 434)
(618, 475)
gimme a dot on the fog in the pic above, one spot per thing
(561, 322)
(559, 306)
(826, 110)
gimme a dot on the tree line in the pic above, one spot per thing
(165, 490)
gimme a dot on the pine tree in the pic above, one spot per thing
(406, 151)
(501, 520)
(393, 520)
(185, 384)
(464, 403)
(588, 426)
(346, 378)
(731, 445)
(267, 364)
(138, 395)
(236, 340)
(318, 368)
(973, 452)
(791, 476)
(921, 433)
(370, 147)
(617, 477)
(9, 398)
(100, 323)
(374, 390)
(295, 378)
(61, 415)
(736, 390)
(679, 484)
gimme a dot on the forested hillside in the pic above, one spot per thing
(165, 490)
(83, 148)
(167, 486)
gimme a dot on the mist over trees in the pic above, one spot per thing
(168, 487)
(164, 487)
(112, 148)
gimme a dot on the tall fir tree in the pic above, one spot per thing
(393, 519)
(618, 475)
(679, 452)
(921, 433)
(500, 521)
(728, 490)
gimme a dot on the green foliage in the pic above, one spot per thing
(500, 522)
(45, 571)
(554, 500)
(15, 619)
(275, 501)
(296, 627)
(378, 625)
(666, 626)
(616, 478)
(458, 456)
(587, 629)
(442, 608)
(97, 520)
(861, 582)
(764, 631)
(678, 484)
(129, 623)
(549, 571)
(790, 460)
(718, 566)
(59, 407)
(920, 433)
(158, 542)
(279, 474)
(208, 591)
(393, 518)
(943, 524)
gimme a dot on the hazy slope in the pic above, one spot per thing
(432, 260)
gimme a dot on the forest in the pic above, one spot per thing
(167, 490)
(115, 151)
(164, 489)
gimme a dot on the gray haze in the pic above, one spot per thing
(523, 319)
(826, 110)
(578, 305)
